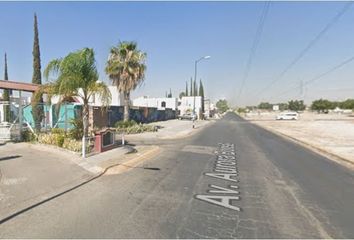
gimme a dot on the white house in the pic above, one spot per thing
(186, 104)
(209, 108)
(117, 98)
(159, 103)
(95, 100)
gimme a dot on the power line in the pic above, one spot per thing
(254, 46)
(308, 47)
(332, 69)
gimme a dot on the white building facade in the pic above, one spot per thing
(95, 100)
(159, 103)
(186, 105)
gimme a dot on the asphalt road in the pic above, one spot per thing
(272, 188)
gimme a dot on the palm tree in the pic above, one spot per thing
(126, 68)
(76, 75)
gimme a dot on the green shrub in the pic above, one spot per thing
(78, 130)
(138, 128)
(28, 136)
(52, 139)
(57, 131)
(47, 138)
(125, 124)
(72, 145)
(59, 139)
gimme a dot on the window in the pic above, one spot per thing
(163, 104)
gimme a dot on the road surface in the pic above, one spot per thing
(231, 180)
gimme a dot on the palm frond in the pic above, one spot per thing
(126, 66)
(53, 67)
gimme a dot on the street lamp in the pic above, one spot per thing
(195, 80)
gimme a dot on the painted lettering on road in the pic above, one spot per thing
(220, 200)
(225, 168)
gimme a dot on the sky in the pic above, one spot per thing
(175, 34)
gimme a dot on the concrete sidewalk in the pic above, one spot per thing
(33, 173)
(171, 129)
(28, 175)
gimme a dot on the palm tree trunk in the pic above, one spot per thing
(85, 117)
(126, 105)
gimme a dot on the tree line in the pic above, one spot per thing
(324, 104)
(298, 105)
(194, 89)
(77, 70)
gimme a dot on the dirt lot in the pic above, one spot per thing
(331, 133)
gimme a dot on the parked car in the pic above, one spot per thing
(187, 116)
(287, 116)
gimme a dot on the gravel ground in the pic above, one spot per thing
(332, 133)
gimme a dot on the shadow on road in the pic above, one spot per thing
(19, 212)
(9, 157)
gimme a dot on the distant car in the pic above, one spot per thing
(288, 116)
(187, 116)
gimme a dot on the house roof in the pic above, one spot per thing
(20, 86)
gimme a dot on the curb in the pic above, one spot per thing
(131, 163)
(338, 159)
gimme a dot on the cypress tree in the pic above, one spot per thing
(201, 93)
(6, 94)
(191, 90)
(186, 93)
(201, 88)
(195, 88)
(37, 75)
(37, 99)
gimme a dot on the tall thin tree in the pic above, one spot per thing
(191, 90)
(201, 88)
(6, 94)
(201, 93)
(37, 99)
(186, 93)
(195, 89)
(170, 94)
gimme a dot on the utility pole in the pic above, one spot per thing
(195, 80)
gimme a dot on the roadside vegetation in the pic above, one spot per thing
(132, 127)
(320, 105)
(293, 105)
(323, 105)
(222, 106)
(56, 137)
